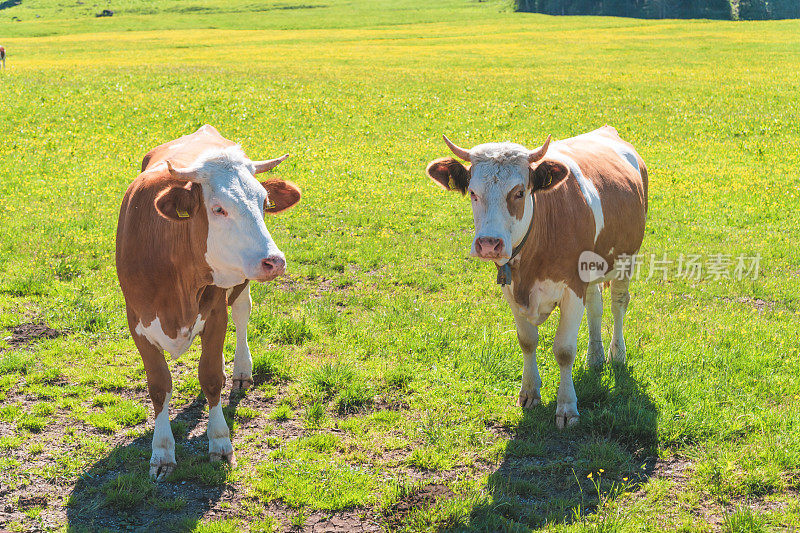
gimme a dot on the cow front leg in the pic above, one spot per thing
(528, 337)
(595, 356)
(159, 385)
(212, 380)
(565, 345)
(242, 361)
(162, 458)
(619, 305)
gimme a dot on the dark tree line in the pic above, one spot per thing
(710, 9)
(769, 9)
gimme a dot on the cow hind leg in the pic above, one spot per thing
(528, 336)
(565, 345)
(159, 385)
(594, 319)
(619, 305)
(212, 381)
(242, 361)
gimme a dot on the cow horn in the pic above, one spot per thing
(181, 173)
(460, 152)
(537, 154)
(263, 166)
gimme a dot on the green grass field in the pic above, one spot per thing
(386, 361)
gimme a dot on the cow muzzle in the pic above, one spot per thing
(271, 267)
(490, 248)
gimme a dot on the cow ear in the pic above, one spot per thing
(546, 174)
(449, 174)
(178, 202)
(281, 195)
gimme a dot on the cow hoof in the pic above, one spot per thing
(229, 457)
(528, 399)
(567, 415)
(565, 421)
(158, 472)
(221, 449)
(594, 356)
(162, 460)
(242, 382)
(616, 353)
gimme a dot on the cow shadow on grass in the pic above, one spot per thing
(544, 474)
(116, 492)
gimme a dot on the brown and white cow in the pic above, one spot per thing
(191, 235)
(538, 214)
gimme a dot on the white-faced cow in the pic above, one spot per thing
(536, 212)
(191, 236)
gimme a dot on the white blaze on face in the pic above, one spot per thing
(497, 170)
(238, 239)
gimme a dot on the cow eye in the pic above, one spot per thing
(217, 210)
(519, 195)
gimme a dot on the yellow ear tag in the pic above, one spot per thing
(270, 205)
(183, 214)
(452, 183)
(549, 180)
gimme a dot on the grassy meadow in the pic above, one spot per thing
(386, 361)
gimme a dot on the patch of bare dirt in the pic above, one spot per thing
(706, 508)
(675, 469)
(44, 480)
(320, 285)
(759, 304)
(24, 334)
(389, 403)
(32, 501)
(340, 523)
(419, 498)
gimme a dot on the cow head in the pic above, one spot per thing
(222, 183)
(500, 181)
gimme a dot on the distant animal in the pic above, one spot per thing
(105, 13)
(542, 216)
(190, 238)
(3, 56)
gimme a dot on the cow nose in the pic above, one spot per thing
(489, 246)
(273, 265)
